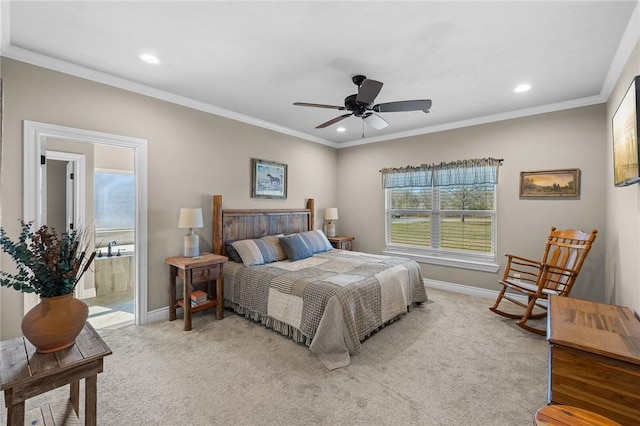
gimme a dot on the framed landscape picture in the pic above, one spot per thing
(268, 179)
(626, 126)
(550, 183)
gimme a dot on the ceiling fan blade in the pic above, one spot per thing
(375, 121)
(417, 105)
(368, 91)
(333, 121)
(341, 108)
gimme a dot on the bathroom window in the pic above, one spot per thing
(115, 201)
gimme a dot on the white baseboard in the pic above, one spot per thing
(161, 314)
(468, 290)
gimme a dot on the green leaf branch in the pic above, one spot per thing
(47, 264)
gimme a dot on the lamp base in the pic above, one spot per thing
(191, 245)
(331, 230)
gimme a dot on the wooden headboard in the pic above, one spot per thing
(233, 225)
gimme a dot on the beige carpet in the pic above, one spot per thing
(448, 362)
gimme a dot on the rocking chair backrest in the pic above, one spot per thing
(565, 249)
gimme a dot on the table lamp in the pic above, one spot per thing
(191, 218)
(331, 213)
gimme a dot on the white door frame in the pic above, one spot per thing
(35, 137)
(75, 196)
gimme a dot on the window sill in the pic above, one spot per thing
(444, 260)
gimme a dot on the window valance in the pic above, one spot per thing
(462, 172)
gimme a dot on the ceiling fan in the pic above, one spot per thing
(361, 104)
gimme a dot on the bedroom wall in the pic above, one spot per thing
(622, 211)
(567, 139)
(191, 156)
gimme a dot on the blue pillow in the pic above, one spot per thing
(295, 247)
(316, 241)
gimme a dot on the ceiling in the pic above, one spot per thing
(251, 60)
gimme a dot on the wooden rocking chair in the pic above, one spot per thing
(555, 274)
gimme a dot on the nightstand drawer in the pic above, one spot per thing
(206, 273)
(202, 274)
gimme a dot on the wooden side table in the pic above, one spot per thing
(25, 374)
(342, 242)
(205, 268)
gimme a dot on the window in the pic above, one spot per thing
(115, 206)
(443, 214)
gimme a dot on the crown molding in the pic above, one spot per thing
(630, 38)
(575, 103)
(54, 64)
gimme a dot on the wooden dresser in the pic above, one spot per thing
(594, 358)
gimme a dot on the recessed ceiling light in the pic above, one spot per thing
(341, 129)
(522, 88)
(149, 58)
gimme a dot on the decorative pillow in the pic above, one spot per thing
(232, 253)
(275, 249)
(316, 241)
(295, 247)
(260, 251)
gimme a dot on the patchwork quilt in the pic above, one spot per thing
(331, 301)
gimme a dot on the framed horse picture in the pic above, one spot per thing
(268, 179)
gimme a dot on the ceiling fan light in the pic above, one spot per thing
(522, 88)
(341, 129)
(375, 121)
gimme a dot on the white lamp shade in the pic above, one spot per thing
(331, 213)
(190, 218)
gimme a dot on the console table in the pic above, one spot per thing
(25, 374)
(594, 358)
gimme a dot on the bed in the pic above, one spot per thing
(330, 300)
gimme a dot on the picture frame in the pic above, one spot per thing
(626, 126)
(550, 183)
(268, 179)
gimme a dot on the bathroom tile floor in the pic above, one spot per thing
(111, 311)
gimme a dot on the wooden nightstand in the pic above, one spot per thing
(207, 267)
(342, 242)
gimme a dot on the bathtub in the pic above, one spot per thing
(115, 274)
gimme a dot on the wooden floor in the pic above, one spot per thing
(114, 310)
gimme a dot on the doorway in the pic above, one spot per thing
(105, 193)
(38, 137)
